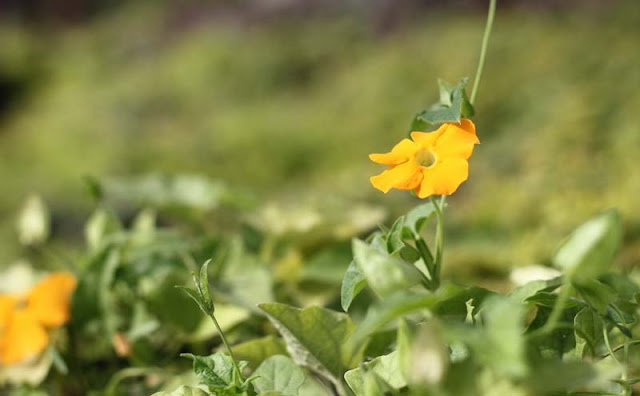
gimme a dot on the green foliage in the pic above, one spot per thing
(279, 374)
(316, 338)
(590, 250)
(453, 105)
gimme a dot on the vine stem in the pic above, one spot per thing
(226, 345)
(483, 50)
(556, 313)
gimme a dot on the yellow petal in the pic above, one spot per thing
(428, 139)
(457, 140)
(425, 189)
(445, 177)
(24, 337)
(395, 176)
(7, 303)
(411, 183)
(49, 299)
(400, 153)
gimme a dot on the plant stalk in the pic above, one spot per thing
(483, 50)
(226, 345)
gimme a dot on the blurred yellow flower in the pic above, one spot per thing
(24, 319)
(431, 163)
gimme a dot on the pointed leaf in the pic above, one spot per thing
(352, 284)
(279, 373)
(314, 337)
(385, 274)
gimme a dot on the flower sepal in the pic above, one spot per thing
(453, 105)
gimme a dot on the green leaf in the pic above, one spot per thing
(558, 376)
(417, 218)
(352, 284)
(387, 367)
(590, 249)
(279, 373)
(215, 371)
(597, 294)
(502, 346)
(315, 337)
(203, 286)
(246, 278)
(385, 274)
(392, 307)
(195, 296)
(394, 236)
(257, 350)
(588, 331)
(453, 105)
(522, 293)
(184, 391)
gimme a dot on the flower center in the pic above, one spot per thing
(426, 158)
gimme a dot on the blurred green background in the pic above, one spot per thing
(282, 101)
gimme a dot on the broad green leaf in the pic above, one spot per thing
(417, 218)
(597, 294)
(315, 337)
(448, 301)
(588, 331)
(247, 279)
(590, 249)
(558, 376)
(214, 371)
(279, 373)
(522, 293)
(502, 345)
(453, 105)
(352, 284)
(387, 367)
(385, 274)
(392, 307)
(184, 391)
(375, 386)
(257, 350)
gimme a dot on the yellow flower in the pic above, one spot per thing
(432, 163)
(24, 319)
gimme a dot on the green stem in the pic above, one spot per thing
(556, 313)
(439, 240)
(483, 50)
(427, 257)
(226, 345)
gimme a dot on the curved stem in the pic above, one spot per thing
(226, 345)
(556, 313)
(483, 50)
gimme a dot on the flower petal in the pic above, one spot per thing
(428, 139)
(7, 303)
(411, 183)
(445, 177)
(457, 140)
(396, 175)
(400, 153)
(24, 337)
(49, 299)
